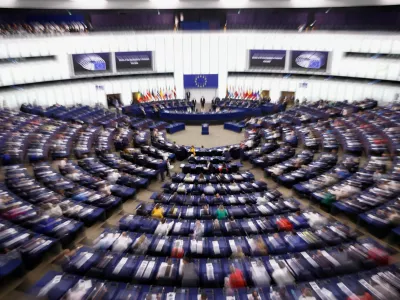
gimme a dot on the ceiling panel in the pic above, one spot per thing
(188, 4)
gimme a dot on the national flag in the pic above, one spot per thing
(174, 91)
(153, 95)
(144, 95)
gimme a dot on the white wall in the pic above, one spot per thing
(317, 88)
(85, 92)
(198, 52)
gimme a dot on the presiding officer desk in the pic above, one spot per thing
(207, 117)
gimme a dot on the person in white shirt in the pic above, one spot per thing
(105, 188)
(53, 210)
(104, 241)
(316, 220)
(234, 187)
(113, 177)
(163, 228)
(188, 178)
(260, 275)
(209, 189)
(198, 231)
(249, 143)
(122, 243)
(282, 276)
(74, 176)
(262, 200)
(141, 245)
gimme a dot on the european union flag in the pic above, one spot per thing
(200, 81)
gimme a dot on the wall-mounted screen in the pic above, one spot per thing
(310, 60)
(139, 60)
(90, 63)
(267, 59)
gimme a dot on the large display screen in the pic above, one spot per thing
(125, 61)
(310, 60)
(90, 63)
(267, 58)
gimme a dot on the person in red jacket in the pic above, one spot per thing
(236, 278)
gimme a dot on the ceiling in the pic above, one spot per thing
(187, 4)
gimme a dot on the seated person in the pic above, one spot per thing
(189, 273)
(157, 212)
(192, 151)
(236, 278)
(163, 228)
(105, 240)
(282, 276)
(188, 178)
(262, 200)
(73, 175)
(173, 211)
(209, 189)
(201, 178)
(165, 270)
(205, 210)
(316, 220)
(221, 213)
(217, 199)
(223, 168)
(141, 245)
(52, 209)
(113, 177)
(260, 275)
(261, 248)
(234, 187)
(105, 189)
(198, 230)
(238, 253)
(203, 199)
(181, 188)
(122, 243)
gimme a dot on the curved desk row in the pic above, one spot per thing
(208, 117)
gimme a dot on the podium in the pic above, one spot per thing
(204, 129)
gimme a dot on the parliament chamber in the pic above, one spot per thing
(190, 150)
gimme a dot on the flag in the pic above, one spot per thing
(153, 95)
(144, 95)
(174, 92)
(139, 97)
(149, 96)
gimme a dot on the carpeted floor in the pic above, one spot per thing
(217, 137)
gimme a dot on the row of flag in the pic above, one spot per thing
(243, 93)
(155, 94)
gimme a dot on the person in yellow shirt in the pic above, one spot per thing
(157, 212)
(192, 150)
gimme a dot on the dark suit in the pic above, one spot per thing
(202, 102)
